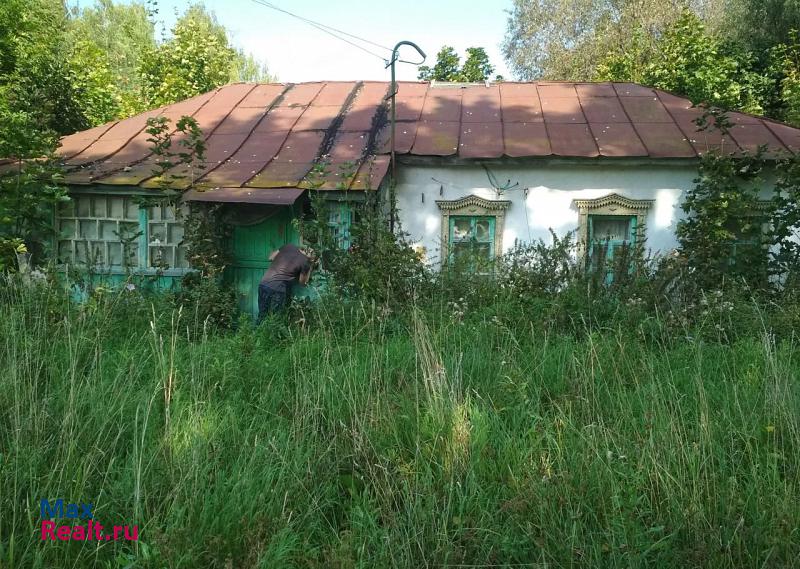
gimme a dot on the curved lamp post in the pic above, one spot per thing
(392, 95)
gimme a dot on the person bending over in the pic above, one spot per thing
(289, 265)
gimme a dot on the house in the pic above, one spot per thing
(478, 166)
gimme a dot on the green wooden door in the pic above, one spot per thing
(251, 246)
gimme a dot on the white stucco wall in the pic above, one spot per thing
(549, 203)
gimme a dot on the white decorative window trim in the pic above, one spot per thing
(473, 206)
(611, 204)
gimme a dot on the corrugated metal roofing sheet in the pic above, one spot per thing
(271, 136)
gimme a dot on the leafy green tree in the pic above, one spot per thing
(785, 62)
(246, 68)
(688, 61)
(564, 39)
(93, 83)
(197, 59)
(722, 235)
(29, 185)
(477, 67)
(448, 67)
(123, 33)
(37, 79)
(758, 25)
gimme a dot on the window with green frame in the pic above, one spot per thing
(340, 219)
(114, 233)
(609, 236)
(472, 239)
(748, 238)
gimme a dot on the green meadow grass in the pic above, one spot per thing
(375, 440)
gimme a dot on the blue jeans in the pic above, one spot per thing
(271, 298)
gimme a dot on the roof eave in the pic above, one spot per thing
(413, 160)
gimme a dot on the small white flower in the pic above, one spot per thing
(130, 287)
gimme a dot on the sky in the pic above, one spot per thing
(295, 51)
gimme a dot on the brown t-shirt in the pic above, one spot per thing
(287, 265)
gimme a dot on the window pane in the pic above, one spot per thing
(175, 233)
(461, 251)
(88, 229)
(131, 209)
(81, 252)
(82, 204)
(131, 253)
(128, 229)
(108, 230)
(180, 258)
(66, 209)
(67, 229)
(599, 254)
(462, 228)
(115, 254)
(96, 253)
(65, 251)
(619, 249)
(117, 207)
(483, 230)
(158, 233)
(482, 252)
(611, 228)
(99, 206)
(161, 256)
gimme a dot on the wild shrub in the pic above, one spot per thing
(539, 269)
(724, 234)
(379, 265)
(208, 305)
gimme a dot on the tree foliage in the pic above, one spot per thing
(476, 68)
(122, 33)
(757, 25)
(196, 59)
(564, 39)
(722, 236)
(62, 71)
(689, 61)
(738, 54)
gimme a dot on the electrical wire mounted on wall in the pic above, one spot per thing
(496, 185)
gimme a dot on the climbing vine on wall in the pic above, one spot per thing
(205, 232)
(735, 231)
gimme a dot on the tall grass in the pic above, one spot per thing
(366, 439)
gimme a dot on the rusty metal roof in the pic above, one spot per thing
(335, 135)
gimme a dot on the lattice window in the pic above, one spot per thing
(98, 231)
(165, 248)
(472, 225)
(472, 239)
(610, 237)
(616, 220)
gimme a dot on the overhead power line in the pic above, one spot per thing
(335, 32)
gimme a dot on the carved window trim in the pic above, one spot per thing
(473, 206)
(611, 204)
